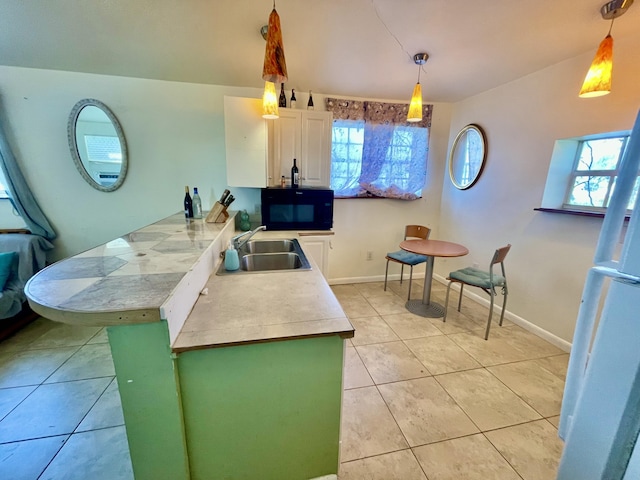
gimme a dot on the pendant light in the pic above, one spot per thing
(270, 101)
(415, 107)
(598, 79)
(274, 69)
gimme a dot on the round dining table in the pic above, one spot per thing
(431, 249)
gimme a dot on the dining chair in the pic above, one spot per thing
(487, 281)
(407, 258)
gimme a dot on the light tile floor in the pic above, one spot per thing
(60, 411)
(423, 399)
(430, 400)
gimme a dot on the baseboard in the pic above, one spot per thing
(536, 330)
(373, 278)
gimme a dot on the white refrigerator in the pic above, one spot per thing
(600, 417)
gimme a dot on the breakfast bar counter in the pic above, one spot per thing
(220, 376)
(158, 273)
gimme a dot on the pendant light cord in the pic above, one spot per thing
(375, 9)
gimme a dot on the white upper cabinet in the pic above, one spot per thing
(306, 136)
(259, 152)
(245, 137)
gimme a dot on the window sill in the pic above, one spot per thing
(574, 212)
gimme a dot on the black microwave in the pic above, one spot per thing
(304, 208)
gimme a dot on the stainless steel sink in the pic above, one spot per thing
(259, 262)
(268, 246)
(260, 256)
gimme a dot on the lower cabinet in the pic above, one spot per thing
(318, 246)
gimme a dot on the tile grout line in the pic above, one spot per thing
(83, 417)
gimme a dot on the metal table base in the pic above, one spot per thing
(431, 310)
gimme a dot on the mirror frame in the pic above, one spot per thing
(454, 146)
(75, 154)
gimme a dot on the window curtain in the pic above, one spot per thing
(20, 194)
(389, 169)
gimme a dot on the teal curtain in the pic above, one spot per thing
(20, 194)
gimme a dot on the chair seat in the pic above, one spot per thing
(408, 258)
(477, 278)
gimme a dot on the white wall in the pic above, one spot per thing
(175, 137)
(551, 253)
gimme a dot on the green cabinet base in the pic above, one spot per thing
(264, 410)
(150, 394)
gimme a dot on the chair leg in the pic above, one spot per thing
(446, 302)
(493, 296)
(410, 280)
(505, 292)
(460, 298)
(386, 271)
(401, 272)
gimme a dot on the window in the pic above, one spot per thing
(102, 148)
(4, 191)
(583, 172)
(594, 174)
(347, 139)
(375, 152)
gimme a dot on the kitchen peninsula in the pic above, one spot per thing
(235, 376)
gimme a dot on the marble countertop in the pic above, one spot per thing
(254, 307)
(126, 280)
(158, 273)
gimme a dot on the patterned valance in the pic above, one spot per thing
(345, 109)
(376, 112)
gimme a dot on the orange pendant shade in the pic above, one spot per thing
(598, 79)
(275, 68)
(415, 107)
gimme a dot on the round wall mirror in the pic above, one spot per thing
(97, 145)
(467, 156)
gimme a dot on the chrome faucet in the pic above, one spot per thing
(239, 244)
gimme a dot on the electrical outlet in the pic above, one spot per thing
(369, 255)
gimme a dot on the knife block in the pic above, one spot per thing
(218, 214)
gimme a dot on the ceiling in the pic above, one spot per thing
(361, 48)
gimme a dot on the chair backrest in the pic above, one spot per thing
(416, 231)
(500, 254)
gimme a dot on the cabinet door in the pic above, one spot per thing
(245, 137)
(286, 145)
(315, 168)
(318, 249)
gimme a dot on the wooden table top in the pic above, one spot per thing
(434, 248)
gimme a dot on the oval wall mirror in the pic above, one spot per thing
(467, 156)
(97, 145)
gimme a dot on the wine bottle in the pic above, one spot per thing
(188, 203)
(282, 102)
(310, 102)
(295, 179)
(292, 103)
(197, 204)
